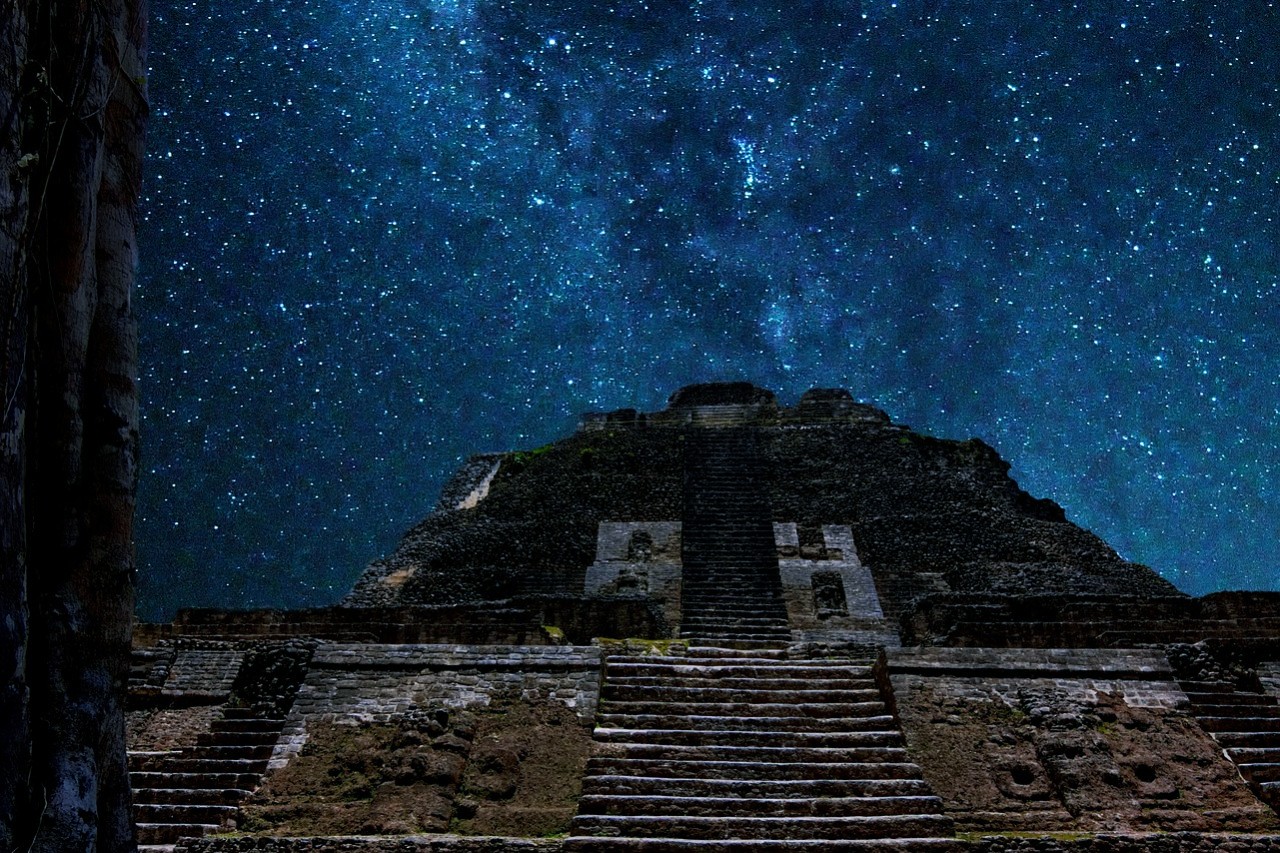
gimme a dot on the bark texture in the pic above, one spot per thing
(73, 106)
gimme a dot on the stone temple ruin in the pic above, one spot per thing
(727, 625)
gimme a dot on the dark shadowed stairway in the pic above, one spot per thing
(194, 791)
(737, 746)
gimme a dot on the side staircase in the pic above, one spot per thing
(195, 791)
(1247, 727)
(737, 747)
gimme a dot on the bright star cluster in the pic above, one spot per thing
(380, 236)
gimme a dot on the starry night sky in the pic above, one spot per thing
(381, 235)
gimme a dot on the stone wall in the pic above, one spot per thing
(824, 583)
(638, 558)
(1173, 842)
(209, 669)
(512, 622)
(1065, 740)
(359, 844)
(375, 682)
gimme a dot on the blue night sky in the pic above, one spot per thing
(383, 235)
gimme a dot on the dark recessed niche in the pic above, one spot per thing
(1022, 775)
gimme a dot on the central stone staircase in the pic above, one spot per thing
(731, 594)
(737, 747)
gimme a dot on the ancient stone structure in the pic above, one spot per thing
(727, 625)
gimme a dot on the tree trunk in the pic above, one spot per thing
(74, 104)
(15, 721)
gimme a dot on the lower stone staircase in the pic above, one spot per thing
(747, 750)
(195, 791)
(1247, 727)
(738, 747)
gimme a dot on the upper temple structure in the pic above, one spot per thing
(726, 625)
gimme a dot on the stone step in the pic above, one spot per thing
(169, 833)
(770, 770)
(727, 611)
(731, 644)
(1235, 710)
(755, 596)
(255, 750)
(183, 813)
(720, 614)
(729, 737)
(237, 739)
(1248, 739)
(729, 543)
(1217, 698)
(717, 626)
(578, 844)
(718, 621)
(749, 576)
(140, 759)
(746, 709)
(702, 594)
(249, 714)
(649, 667)
(191, 796)
(1260, 772)
(628, 693)
(720, 627)
(1207, 686)
(212, 765)
(716, 637)
(727, 532)
(752, 572)
(247, 724)
(1239, 724)
(730, 506)
(609, 804)
(152, 779)
(737, 620)
(722, 618)
(715, 533)
(757, 615)
(881, 722)
(708, 652)
(778, 754)
(729, 682)
(765, 788)
(1253, 755)
(839, 828)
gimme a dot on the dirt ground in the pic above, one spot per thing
(525, 773)
(511, 770)
(1048, 763)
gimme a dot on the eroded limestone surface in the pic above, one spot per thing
(1066, 741)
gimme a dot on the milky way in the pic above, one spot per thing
(383, 235)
